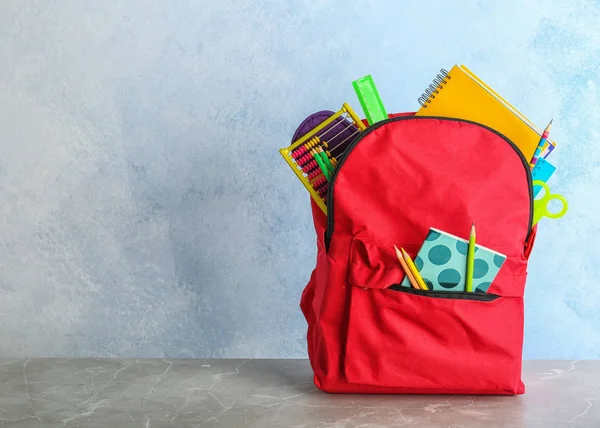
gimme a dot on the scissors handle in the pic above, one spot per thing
(543, 185)
(540, 206)
(562, 211)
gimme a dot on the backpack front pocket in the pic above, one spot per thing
(421, 342)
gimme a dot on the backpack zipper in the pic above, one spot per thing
(354, 143)
(442, 294)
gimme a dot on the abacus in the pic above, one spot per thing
(314, 156)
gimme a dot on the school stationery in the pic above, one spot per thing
(541, 145)
(542, 171)
(470, 260)
(406, 269)
(317, 157)
(369, 99)
(414, 270)
(329, 131)
(540, 206)
(326, 160)
(442, 262)
(548, 149)
(504, 101)
(459, 93)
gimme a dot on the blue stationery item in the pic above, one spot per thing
(442, 263)
(542, 172)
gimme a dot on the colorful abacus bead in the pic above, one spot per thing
(305, 158)
(311, 166)
(319, 183)
(314, 173)
(322, 187)
(304, 148)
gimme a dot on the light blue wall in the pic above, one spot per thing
(145, 210)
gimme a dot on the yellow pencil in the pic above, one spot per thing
(408, 272)
(414, 270)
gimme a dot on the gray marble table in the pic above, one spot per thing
(271, 393)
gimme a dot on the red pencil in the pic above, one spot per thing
(547, 130)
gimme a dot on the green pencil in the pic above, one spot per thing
(470, 260)
(325, 159)
(321, 164)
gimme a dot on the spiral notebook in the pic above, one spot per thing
(459, 93)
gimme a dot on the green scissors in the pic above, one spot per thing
(540, 206)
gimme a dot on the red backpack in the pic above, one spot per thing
(397, 179)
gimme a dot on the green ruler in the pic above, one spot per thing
(369, 99)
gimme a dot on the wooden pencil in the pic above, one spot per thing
(408, 272)
(414, 270)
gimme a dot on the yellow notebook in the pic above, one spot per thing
(459, 93)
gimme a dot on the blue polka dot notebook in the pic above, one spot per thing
(442, 262)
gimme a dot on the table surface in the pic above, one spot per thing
(271, 393)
